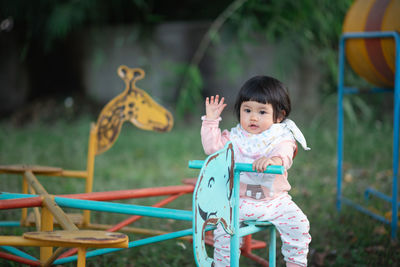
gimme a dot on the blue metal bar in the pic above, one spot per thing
(10, 223)
(244, 167)
(196, 164)
(272, 247)
(253, 227)
(396, 126)
(6, 195)
(339, 171)
(18, 252)
(376, 193)
(235, 246)
(132, 244)
(103, 206)
(250, 229)
(363, 35)
(353, 90)
(364, 210)
(185, 215)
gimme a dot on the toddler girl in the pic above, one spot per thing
(263, 137)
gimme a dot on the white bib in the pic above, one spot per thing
(249, 147)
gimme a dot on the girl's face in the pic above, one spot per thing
(256, 117)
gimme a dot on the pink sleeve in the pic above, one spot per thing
(211, 137)
(284, 151)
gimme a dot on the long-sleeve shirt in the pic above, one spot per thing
(252, 185)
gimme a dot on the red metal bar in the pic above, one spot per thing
(258, 244)
(257, 259)
(127, 222)
(19, 259)
(246, 247)
(102, 196)
(133, 193)
(20, 203)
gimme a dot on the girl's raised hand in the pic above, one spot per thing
(214, 107)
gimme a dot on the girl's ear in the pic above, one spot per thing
(281, 116)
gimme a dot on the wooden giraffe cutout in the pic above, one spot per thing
(133, 105)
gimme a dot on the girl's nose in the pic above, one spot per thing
(253, 117)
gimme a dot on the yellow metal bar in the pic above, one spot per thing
(35, 183)
(62, 173)
(47, 225)
(35, 211)
(73, 174)
(81, 257)
(62, 218)
(19, 241)
(90, 168)
(53, 257)
(48, 201)
(24, 211)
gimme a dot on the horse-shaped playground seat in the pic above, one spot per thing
(215, 200)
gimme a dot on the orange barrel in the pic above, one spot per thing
(373, 59)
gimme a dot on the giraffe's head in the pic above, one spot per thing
(141, 109)
(133, 105)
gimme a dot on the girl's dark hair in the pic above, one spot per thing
(266, 90)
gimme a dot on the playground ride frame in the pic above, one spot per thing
(124, 107)
(343, 90)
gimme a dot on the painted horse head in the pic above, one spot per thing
(133, 105)
(212, 199)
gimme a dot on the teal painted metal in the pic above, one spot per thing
(253, 227)
(10, 223)
(215, 200)
(212, 200)
(235, 238)
(104, 206)
(243, 167)
(6, 195)
(272, 247)
(18, 252)
(165, 213)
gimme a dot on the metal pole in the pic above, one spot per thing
(235, 246)
(395, 164)
(340, 124)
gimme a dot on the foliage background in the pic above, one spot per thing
(301, 29)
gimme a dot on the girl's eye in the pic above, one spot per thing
(262, 112)
(247, 110)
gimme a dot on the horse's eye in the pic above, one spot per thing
(211, 182)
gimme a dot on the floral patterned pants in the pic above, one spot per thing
(288, 219)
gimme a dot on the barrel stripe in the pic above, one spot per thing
(374, 46)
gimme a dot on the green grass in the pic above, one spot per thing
(144, 159)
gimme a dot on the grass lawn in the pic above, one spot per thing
(144, 159)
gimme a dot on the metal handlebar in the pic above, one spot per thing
(241, 167)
